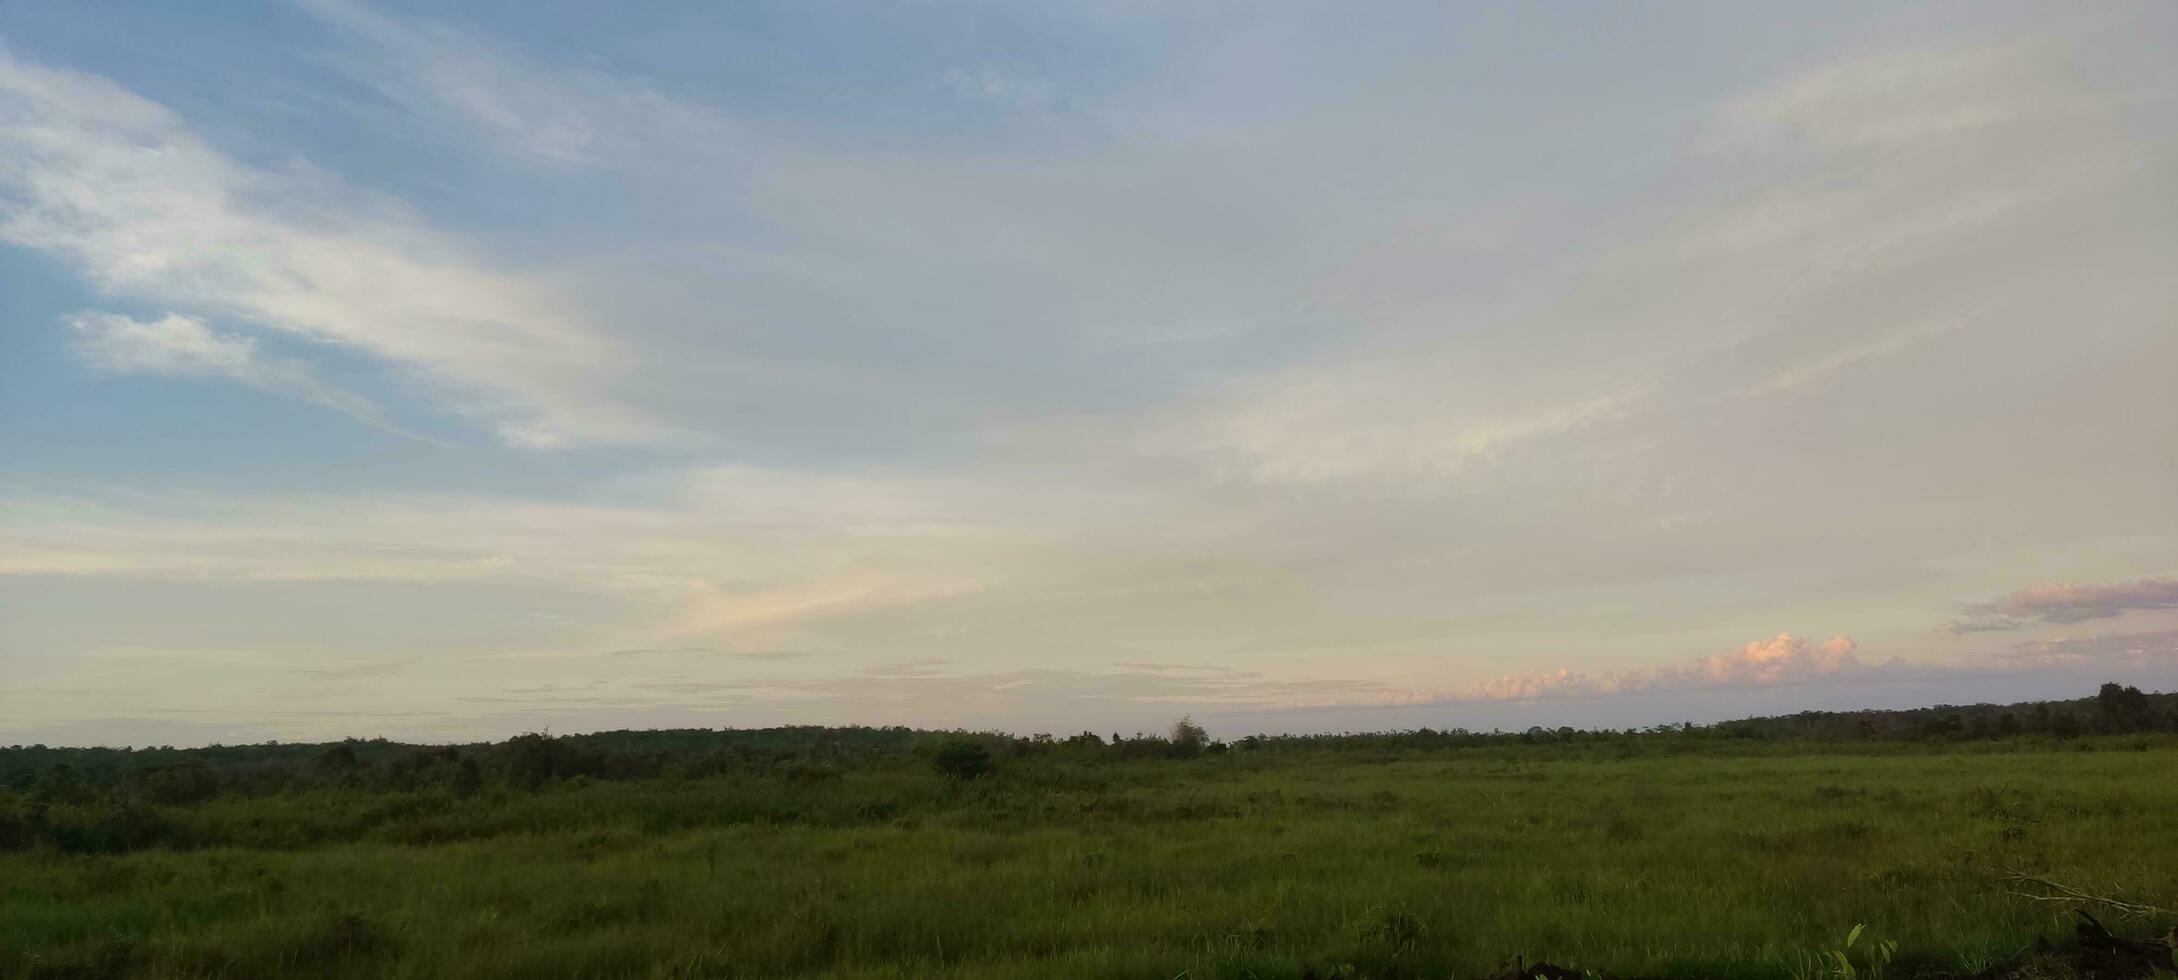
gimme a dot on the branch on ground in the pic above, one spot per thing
(2057, 891)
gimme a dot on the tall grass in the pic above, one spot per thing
(1712, 864)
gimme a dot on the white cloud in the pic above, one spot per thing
(1387, 422)
(184, 346)
(173, 344)
(997, 86)
(748, 559)
(1310, 386)
(567, 117)
(1905, 100)
(119, 186)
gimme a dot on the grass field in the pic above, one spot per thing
(1739, 863)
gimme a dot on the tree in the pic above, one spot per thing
(467, 777)
(339, 762)
(533, 758)
(190, 782)
(1188, 738)
(964, 759)
(2122, 701)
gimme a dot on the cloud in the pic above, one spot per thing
(997, 86)
(1563, 682)
(1387, 422)
(1821, 368)
(118, 185)
(359, 671)
(183, 346)
(1782, 660)
(173, 345)
(1787, 660)
(744, 546)
(1403, 372)
(2060, 603)
(564, 117)
(1904, 100)
(2129, 650)
(1851, 220)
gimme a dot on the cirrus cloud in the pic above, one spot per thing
(184, 346)
(121, 187)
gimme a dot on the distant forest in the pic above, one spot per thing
(31, 775)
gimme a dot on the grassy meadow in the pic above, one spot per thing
(1640, 856)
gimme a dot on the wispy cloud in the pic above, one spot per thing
(359, 671)
(2096, 650)
(2062, 603)
(562, 116)
(997, 86)
(183, 346)
(1380, 422)
(119, 186)
(1269, 368)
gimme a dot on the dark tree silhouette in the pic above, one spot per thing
(964, 759)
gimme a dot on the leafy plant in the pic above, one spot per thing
(1837, 964)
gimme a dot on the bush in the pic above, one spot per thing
(16, 830)
(180, 785)
(1188, 738)
(964, 759)
(467, 778)
(534, 757)
(114, 827)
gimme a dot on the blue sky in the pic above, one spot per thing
(454, 370)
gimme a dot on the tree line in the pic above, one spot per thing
(109, 798)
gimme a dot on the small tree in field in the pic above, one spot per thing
(1188, 738)
(964, 759)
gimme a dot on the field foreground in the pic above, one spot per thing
(1754, 863)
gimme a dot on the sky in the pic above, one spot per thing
(447, 371)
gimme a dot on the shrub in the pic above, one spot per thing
(113, 827)
(467, 778)
(534, 757)
(1188, 738)
(180, 785)
(16, 830)
(962, 758)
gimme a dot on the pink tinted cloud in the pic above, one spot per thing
(2061, 603)
(1782, 659)
(1559, 683)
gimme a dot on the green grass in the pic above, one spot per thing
(1240, 865)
